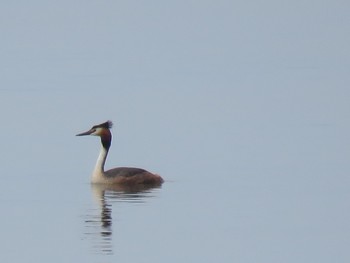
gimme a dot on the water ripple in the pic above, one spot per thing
(98, 221)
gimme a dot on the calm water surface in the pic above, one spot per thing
(287, 210)
(99, 220)
(242, 107)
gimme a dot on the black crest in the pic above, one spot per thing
(106, 125)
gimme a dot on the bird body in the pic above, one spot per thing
(120, 175)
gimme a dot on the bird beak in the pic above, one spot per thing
(85, 133)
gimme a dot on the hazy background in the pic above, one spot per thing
(242, 107)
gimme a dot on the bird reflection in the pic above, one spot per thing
(99, 225)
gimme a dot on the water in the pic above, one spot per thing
(241, 107)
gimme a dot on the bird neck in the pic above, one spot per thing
(101, 160)
(98, 172)
(106, 138)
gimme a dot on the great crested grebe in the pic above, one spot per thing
(120, 175)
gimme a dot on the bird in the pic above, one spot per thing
(124, 176)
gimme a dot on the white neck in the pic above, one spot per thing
(98, 173)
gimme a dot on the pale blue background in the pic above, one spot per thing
(242, 106)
